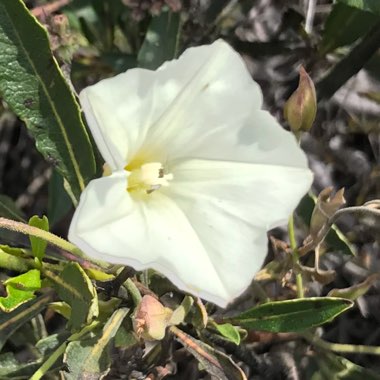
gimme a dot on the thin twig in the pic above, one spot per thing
(343, 348)
(365, 210)
(312, 4)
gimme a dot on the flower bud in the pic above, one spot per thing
(151, 319)
(301, 108)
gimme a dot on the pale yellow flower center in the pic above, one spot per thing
(148, 178)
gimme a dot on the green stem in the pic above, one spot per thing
(342, 348)
(45, 235)
(48, 364)
(295, 256)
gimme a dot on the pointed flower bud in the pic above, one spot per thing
(301, 108)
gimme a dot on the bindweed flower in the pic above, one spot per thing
(199, 173)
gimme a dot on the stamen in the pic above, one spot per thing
(149, 178)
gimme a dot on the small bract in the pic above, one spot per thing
(199, 173)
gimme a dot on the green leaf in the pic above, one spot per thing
(106, 308)
(216, 363)
(229, 331)
(372, 95)
(75, 288)
(99, 275)
(365, 5)
(20, 289)
(344, 26)
(161, 40)
(350, 65)
(9, 210)
(59, 202)
(11, 368)
(333, 367)
(126, 338)
(61, 308)
(12, 259)
(335, 237)
(47, 345)
(90, 358)
(291, 315)
(10, 322)
(38, 244)
(180, 313)
(355, 291)
(34, 87)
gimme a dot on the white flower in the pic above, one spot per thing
(199, 173)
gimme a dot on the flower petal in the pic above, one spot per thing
(261, 196)
(149, 111)
(110, 225)
(258, 138)
(231, 205)
(116, 111)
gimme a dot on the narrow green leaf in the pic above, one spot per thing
(355, 291)
(161, 40)
(20, 289)
(59, 202)
(335, 238)
(38, 245)
(372, 95)
(106, 308)
(90, 358)
(75, 288)
(180, 313)
(229, 331)
(11, 368)
(216, 363)
(292, 315)
(332, 366)
(10, 322)
(365, 5)
(14, 260)
(350, 65)
(8, 209)
(34, 87)
(61, 308)
(47, 345)
(344, 26)
(99, 275)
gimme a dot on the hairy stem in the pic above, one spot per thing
(47, 236)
